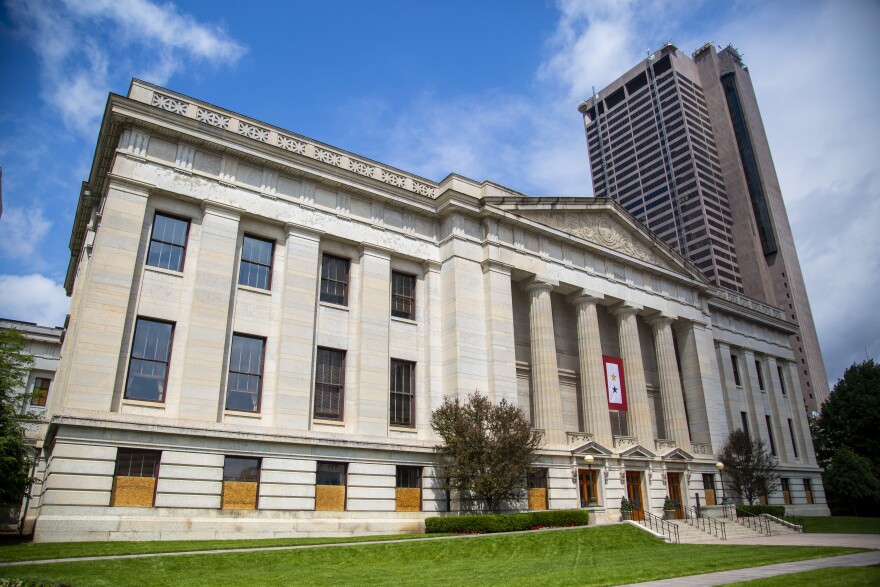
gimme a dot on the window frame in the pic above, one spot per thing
(142, 453)
(781, 380)
(167, 362)
(269, 267)
(793, 438)
(341, 385)
(40, 400)
(400, 277)
(759, 371)
(400, 394)
(229, 372)
(326, 279)
(343, 474)
(256, 479)
(183, 247)
(408, 469)
(734, 360)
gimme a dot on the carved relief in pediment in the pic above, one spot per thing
(599, 229)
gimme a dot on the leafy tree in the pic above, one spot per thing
(488, 448)
(850, 417)
(850, 483)
(748, 467)
(14, 452)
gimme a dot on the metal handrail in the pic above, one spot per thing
(659, 525)
(756, 523)
(795, 523)
(704, 523)
(729, 511)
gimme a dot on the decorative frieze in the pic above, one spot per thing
(623, 441)
(662, 445)
(253, 132)
(393, 178)
(747, 302)
(170, 104)
(578, 438)
(212, 118)
(291, 144)
(423, 189)
(700, 448)
(327, 156)
(361, 167)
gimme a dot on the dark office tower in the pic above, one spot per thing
(680, 143)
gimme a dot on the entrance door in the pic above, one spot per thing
(587, 484)
(634, 493)
(673, 482)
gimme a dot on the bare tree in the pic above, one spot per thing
(488, 448)
(748, 467)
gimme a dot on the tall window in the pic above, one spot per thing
(168, 242)
(403, 387)
(148, 365)
(408, 490)
(793, 440)
(256, 262)
(536, 480)
(134, 480)
(41, 391)
(781, 379)
(760, 374)
(329, 384)
(745, 423)
(245, 374)
(241, 477)
(334, 280)
(403, 295)
(786, 491)
(619, 423)
(770, 435)
(735, 362)
(330, 484)
(808, 490)
(709, 488)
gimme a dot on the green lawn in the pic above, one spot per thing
(841, 525)
(832, 577)
(45, 550)
(605, 555)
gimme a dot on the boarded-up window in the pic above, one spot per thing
(808, 490)
(241, 478)
(408, 490)
(786, 491)
(330, 480)
(537, 482)
(134, 481)
(709, 488)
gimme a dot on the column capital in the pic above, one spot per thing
(626, 309)
(302, 231)
(495, 265)
(584, 296)
(221, 209)
(687, 323)
(537, 282)
(660, 320)
(430, 266)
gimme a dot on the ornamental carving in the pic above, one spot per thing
(393, 179)
(292, 145)
(212, 118)
(170, 104)
(423, 189)
(328, 157)
(253, 132)
(361, 167)
(700, 448)
(599, 229)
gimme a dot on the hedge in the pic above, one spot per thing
(29, 583)
(756, 510)
(491, 523)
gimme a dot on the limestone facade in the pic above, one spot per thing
(252, 306)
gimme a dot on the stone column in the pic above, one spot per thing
(670, 383)
(593, 393)
(544, 369)
(499, 331)
(634, 376)
(779, 412)
(701, 384)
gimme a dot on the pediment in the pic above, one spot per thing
(591, 448)
(637, 452)
(677, 454)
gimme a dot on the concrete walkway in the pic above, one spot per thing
(862, 559)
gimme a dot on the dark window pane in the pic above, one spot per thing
(409, 477)
(334, 280)
(403, 295)
(41, 391)
(137, 463)
(167, 242)
(330, 474)
(329, 383)
(256, 262)
(241, 469)
(148, 365)
(402, 393)
(245, 374)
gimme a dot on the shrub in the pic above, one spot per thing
(756, 510)
(492, 523)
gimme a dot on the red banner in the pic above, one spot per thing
(614, 383)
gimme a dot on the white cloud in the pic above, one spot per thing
(21, 232)
(75, 60)
(33, 298)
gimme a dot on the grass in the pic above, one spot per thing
(841, 525)
(605, 555)
(832, 577)
(47, 550)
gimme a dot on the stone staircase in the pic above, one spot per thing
(734, 529)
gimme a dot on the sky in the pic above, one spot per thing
(486, 89)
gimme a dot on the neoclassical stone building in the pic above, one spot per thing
(261, 325)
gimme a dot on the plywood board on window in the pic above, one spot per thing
(408, 499)
(239, 495)
(538, 499)
(330, 498)
(133, 491)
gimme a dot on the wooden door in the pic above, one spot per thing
(673, 483)
(634, 494)
(587, 484)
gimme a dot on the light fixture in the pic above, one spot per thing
(589, 460)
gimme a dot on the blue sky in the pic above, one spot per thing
(487, 89)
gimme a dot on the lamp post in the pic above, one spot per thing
(720, 466)
(592, 500)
